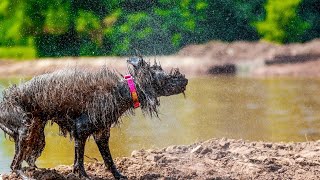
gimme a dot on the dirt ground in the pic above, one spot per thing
(257, 59)
(212, 159)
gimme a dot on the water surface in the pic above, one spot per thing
(273, 109)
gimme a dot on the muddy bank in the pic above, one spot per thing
(259, 58)
(212, 159)
(236, 58)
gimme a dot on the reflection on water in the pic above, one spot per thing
(280, 109)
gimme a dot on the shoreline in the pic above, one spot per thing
(252, 59)
(187, 65)
(212, 159)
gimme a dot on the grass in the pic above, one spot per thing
(18, 53)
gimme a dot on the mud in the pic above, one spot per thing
(212, 159)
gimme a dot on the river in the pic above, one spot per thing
(271, 109)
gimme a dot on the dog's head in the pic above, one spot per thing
(163, 83)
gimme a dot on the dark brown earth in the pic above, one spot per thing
(256, 59)
(212, 159)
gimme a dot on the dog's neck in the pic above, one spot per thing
(133, 90)
(125, 98)
(146, 96)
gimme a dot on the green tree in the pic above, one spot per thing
(99, 27)
(229, 20)
(309, 11)
(12, 20)
(153, 27)
(282, 23)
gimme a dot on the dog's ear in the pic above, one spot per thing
(136, 62)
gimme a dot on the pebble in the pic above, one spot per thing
(135, 153)
(268, 145)
(224, 144)
(153, 157)
(197, 149)
(300, 160)
(205, 151)
(170, 148)
(301, 171)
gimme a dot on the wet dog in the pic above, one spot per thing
(82, 103)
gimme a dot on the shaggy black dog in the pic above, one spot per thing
(82, 103)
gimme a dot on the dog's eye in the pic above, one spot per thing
(160, 80)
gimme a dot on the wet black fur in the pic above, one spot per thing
(82, 103)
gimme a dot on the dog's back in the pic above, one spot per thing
(66, 92)
(63, 91)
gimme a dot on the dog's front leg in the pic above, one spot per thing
(102, 141)
(79, 156)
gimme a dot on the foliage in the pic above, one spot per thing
(113, 27)
(161, 27)
(282, 23)
(229, 20)
(309, 10)
(17, 52)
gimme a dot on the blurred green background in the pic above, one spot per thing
(55, 28)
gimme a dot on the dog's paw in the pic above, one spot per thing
(121, 177)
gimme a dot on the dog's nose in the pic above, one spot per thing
(185, 82)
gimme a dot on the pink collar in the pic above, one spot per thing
(133, 90)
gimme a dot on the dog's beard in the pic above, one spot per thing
(184, 94)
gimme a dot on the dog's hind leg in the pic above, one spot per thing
(36, 141)
(29, 143)
(17, 169)
(102, 141)
(20, 146)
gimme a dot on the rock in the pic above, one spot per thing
(268, 145)
(171, 148)
(134, 167)
(153, 157)
(136, 153)
(197, 149)
(274, 167)
(224, 144)
(205, 151)
(296, 156)
(309, 154)
(241, 150)
(247, 168)
(300, 171)
(300, 160)
(259, 159)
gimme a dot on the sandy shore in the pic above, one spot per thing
(212, 159)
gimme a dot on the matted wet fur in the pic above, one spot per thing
(82, 103)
